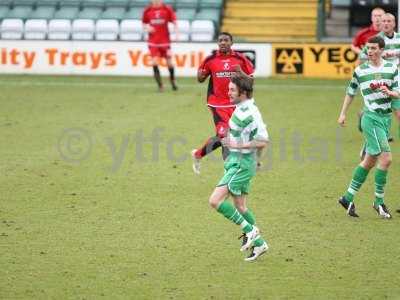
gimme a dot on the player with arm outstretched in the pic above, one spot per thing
(219, 67)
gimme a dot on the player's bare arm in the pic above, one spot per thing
(202, 75)
(346, 103)
(254, 144)
(393, 94)
(239, 70)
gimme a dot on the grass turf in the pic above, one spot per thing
(92, 206)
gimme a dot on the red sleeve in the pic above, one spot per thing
(205, 66)
(247, 66)
(145, 17)
(357, 39)
(172, 15)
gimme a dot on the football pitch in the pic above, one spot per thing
(98, 199)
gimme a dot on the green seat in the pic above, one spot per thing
(43, 12)
(169, 2)
(92, 13)
(116, 13)
(193, 4)
(53, 3)
(67, 12)
(4, 11)
(91, 9)
(134, 13)
(185, 14)
(21, 9)
(209, 14)
(117, 3)
(138, 3)
(210, 4)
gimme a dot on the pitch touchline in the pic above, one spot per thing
(150, 85)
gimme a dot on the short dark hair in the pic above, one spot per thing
(377, 40)
(226, 33)
(243, 83)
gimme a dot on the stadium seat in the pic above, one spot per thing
(202, 31)
(35, 29)
(209, 14)
(45, 9)
(83, 29)
(107, 30)
(342, 3)
(91, 9)
(21, 9)
(138, 3)
(115, 9)
(12, 29)
(5, 6)
(170, 3)
(131, 30)
(185, 14)
(134, 13)
(192, 4)
(210, 4)
(183, 28)
(69, 10)
(59, 29)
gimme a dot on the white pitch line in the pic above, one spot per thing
(134, 84)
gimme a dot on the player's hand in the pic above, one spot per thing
(227, 142)
(342, 120)
(238, 69)
(150, 29)
(389, 54)
(384, 89)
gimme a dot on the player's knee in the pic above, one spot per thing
(386, 161)
(241, 207)
(214, 202)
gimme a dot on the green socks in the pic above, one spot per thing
(359, 176)
(231, 213)
(250, 218)
(380, 181)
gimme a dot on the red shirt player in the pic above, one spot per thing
(364, 34)
(220, 66)
(155, 19)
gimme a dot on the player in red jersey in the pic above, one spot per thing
(155, 19)
(220, 66)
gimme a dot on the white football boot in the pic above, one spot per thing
(256, 252)
(250, 238)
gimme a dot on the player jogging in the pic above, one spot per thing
(155, 19)
(247, 134)
(220, 66)
(378, 82)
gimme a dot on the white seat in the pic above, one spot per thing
(59, 29)
(12, 29)
(202, 31)
(131, 30)
(183, 29)
(83, 29)
(107, 30)
(36, 29)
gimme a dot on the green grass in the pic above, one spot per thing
(140, 227)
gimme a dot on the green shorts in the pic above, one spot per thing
(239, 169)
(376, 133)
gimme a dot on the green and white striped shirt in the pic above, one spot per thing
(369, 79)
(391, 45)
(246, 124)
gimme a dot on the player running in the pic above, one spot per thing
(220, 66)
(378, 82)
(247, 134)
